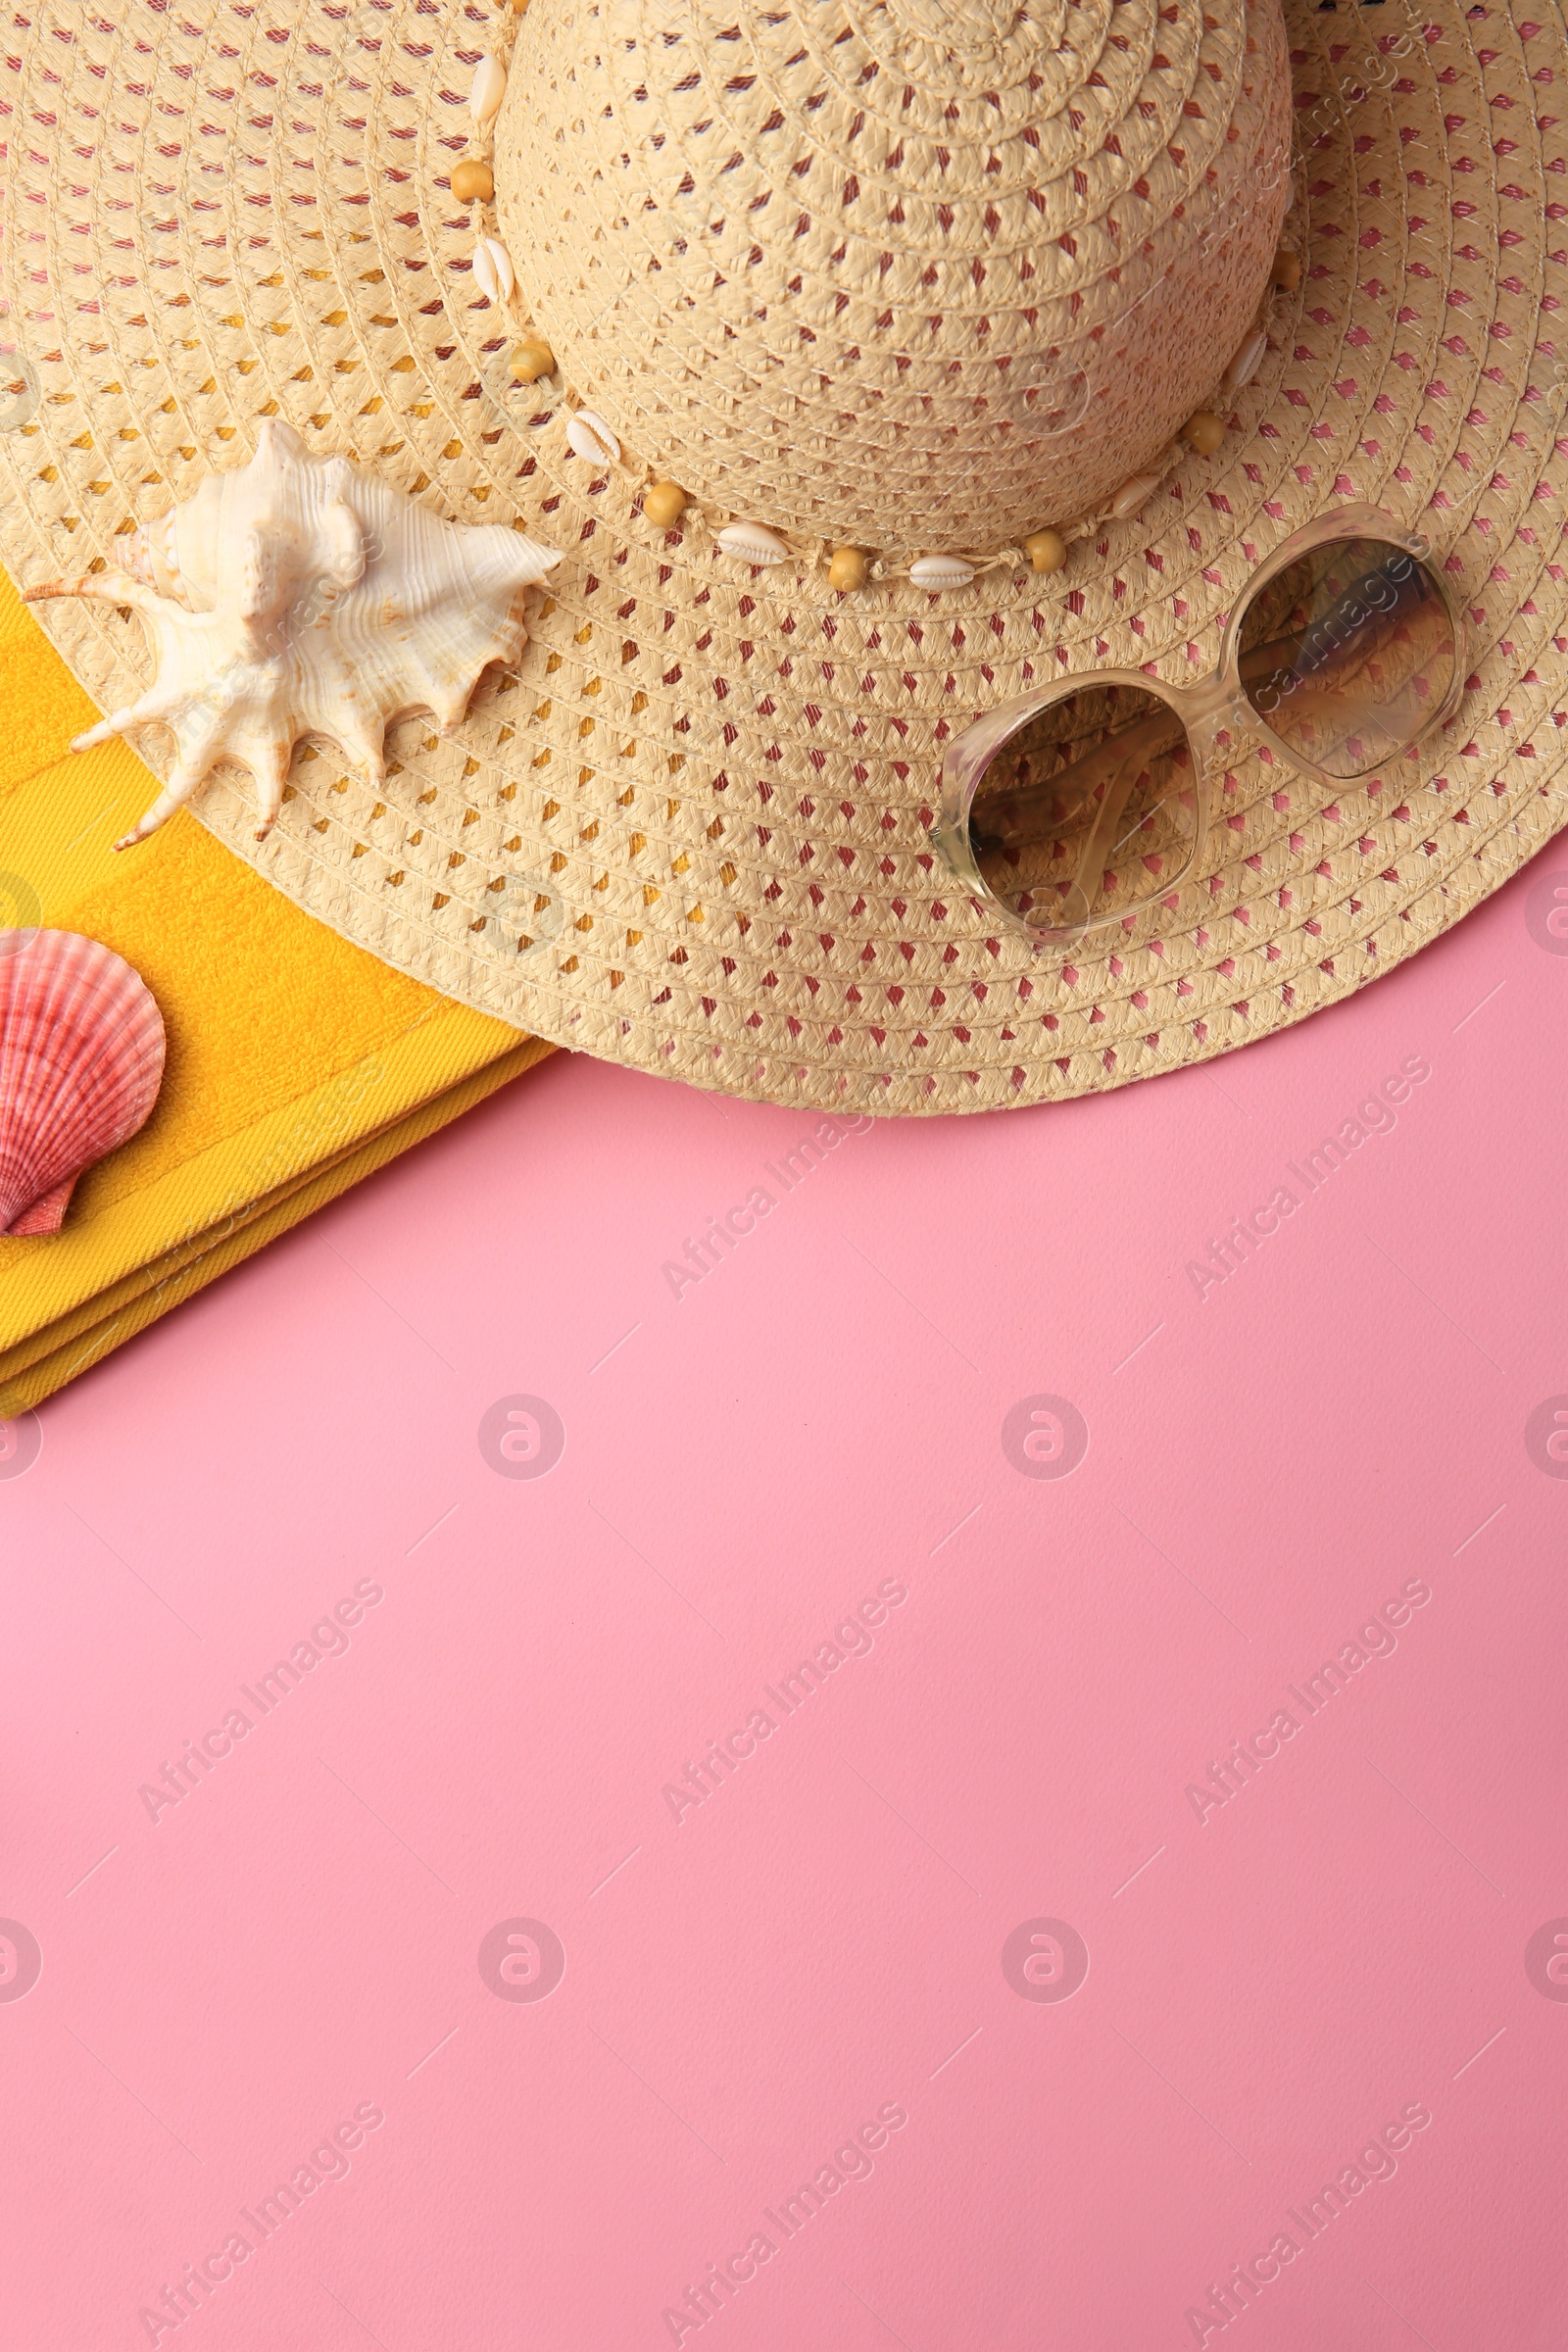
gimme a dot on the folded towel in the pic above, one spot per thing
(297, 1063)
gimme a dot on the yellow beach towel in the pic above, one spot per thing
(297, 1063)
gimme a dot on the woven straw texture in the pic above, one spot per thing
(918, 294)
(709, 791)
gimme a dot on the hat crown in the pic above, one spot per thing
(919, 275)
(946, 39)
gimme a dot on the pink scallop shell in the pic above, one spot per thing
(82, 1059)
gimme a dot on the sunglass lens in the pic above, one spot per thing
(1090, 811)
(1347, 654)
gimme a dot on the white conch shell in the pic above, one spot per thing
(940, 572)
(487, 89)
(493, 273)
(589, 436)
(752, 542)
(299, 596)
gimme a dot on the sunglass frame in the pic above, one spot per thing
(1217, 705)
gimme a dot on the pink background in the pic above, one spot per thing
(1342, 1942)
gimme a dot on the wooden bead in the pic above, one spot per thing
(472, 181)
(664, 505)
(531, 360)
(849, 568)
(1204, 432)
(1047, 550)
(1287, 272)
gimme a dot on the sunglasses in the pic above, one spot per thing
(1073, 809)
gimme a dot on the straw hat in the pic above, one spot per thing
(917, 278)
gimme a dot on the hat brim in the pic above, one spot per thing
(711, 790)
